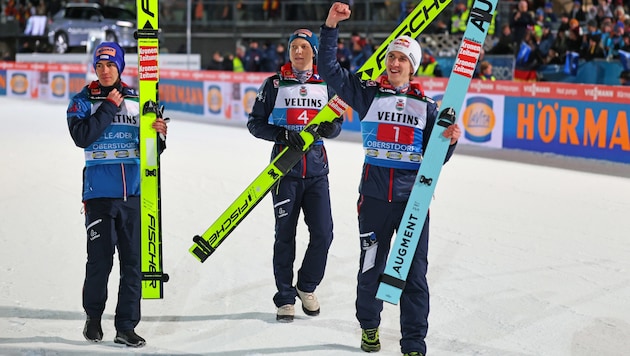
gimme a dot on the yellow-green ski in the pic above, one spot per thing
(153, 277)
(207, 243)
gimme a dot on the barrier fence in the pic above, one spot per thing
(578, 120)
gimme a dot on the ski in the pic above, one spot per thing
(206, 243)
(408, 234)
(153, 277)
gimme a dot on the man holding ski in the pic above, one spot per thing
(285, 103)
(103, 119)
(396, 123)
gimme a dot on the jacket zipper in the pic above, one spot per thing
(124, 181)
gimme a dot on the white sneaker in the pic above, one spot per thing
(285, 313)
(310, 304)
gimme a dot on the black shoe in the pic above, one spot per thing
(129, 338)
(92, 330)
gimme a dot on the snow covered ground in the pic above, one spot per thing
(524, 259)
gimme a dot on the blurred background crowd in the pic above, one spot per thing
(250, 35)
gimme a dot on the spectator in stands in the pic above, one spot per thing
(545, 42)
(528, 59)
(558, 50)
(269, 61)
(361, 50)
(459, 17)
(239, 57)
(550, 16)
(591, 47)
(576, 12)
(505, 44)
(606, 29)
(591, 30)
(563, 24)
(343, 54)
(591, 14)
(604, 10)
(539, 21)
(485, 71)
(228, 63)
(439, 26)
(10, 10)
(620, 14)
(253, 56)
(217, 62)
(281, 55)
(574, 36)
(406, 7)
(429, 66)
(614, 42)
(624, 78)
(520, 22)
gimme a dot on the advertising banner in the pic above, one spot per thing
(580, 120)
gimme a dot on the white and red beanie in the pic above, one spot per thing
(409, 47)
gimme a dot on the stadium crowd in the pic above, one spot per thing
(532, 33)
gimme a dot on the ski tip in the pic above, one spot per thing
(201, 249)
(388, 294)
(198, 253)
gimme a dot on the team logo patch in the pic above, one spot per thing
(105, 52)
(400, 104)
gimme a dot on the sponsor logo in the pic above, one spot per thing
(121, 154)
(478, 119)
(99, 155)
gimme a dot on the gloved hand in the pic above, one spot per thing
(327, 128)
(291, 139)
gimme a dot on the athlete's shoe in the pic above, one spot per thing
(129, 338)
(92, 330)
(413, 353)
(286, 313)
(370, 341)
(310, 304)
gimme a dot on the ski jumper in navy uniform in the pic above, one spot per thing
(111, 189)
(288, 101)
(396, 125)
(109, 135)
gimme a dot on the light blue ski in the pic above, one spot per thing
(401, 254)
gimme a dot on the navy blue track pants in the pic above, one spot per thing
(113, 224)
(378, 222)
(292, 195)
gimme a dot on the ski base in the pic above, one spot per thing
(153, 277)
